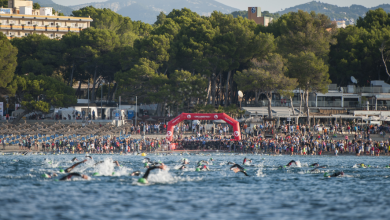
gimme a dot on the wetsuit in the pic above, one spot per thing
(135, 173)
(73, 166)
(182, 167)
(314, 165)
(203, 167)
(89, 157)
(243, 162)
(340, 173)
(291, 162)
(242, 170)
(74, 159)
(230, 163)
(363, 165)
(69, 176)
(148, 171)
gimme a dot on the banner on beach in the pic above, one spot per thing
(1, 109)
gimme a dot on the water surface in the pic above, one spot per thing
(269, 193)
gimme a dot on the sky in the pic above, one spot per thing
(266, 5)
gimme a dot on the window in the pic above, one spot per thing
(81, 25)
(26, 34)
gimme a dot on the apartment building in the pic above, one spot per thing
(254, 13)
(23, 20)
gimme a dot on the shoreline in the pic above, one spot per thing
(187, 151)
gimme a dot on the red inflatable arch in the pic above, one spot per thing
(211, 116)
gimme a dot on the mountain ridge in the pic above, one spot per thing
(333, 11)
(147, 10)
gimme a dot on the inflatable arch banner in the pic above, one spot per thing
(208, 116)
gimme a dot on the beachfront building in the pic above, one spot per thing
(338, 102)
(20, 20)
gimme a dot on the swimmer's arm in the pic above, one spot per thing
(74, 165)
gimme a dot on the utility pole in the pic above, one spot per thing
(135, 112)
(88, 101)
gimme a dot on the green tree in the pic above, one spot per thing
(301, 31)
(160, 19)
(266, 77)
(8, 54)
(96, 43)
(4, 3)
(107, 19)
(311, 73)
(59, 13)
(38, 54)
(36, 6)
(39, 93)
(374, 19)
(356, 53)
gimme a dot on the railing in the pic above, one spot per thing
(328, 104)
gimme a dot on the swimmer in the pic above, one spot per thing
(70, 175)
(73, 166)
(362, 165)
(144, 179)
(315, 169)
(202, 167)
(45, 175)
(314, 165)
(182, 167)
(289, 164)
(186, 161)
(89, 157)
(74, 159)
(340, 173)
(237, 168)
(211, 159)
(202, 162)
(135, 173)
(246, 161)
(230, 163)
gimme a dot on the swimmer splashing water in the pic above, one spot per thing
(237, 168)
(73, 166)
(144, 179)
(289, 164)
(70, 175)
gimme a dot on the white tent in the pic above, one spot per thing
(66, 113)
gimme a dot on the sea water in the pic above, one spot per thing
(268, 193)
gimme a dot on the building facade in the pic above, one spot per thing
(254, 13)
(16, 24)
